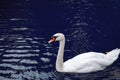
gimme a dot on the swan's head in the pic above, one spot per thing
(57, 37)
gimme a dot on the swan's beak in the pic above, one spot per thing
(52, 40)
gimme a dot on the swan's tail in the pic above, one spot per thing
(113, 55)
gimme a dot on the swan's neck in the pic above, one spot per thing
(59, 61)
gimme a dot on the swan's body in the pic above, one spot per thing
(85, 62)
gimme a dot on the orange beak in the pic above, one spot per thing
(52, 40)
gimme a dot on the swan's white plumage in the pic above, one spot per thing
(85, 62)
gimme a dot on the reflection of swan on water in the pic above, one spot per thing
(83, 63)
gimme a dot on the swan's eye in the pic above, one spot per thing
(55, 37)
(52, 38)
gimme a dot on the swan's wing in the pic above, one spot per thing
(86, 65)
(86, 61)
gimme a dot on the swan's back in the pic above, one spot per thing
(88, 55)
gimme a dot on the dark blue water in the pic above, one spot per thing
(27, 25)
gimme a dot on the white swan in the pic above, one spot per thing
(83, 63)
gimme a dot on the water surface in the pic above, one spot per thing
(25, 30)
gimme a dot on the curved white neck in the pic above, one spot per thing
(59, 61)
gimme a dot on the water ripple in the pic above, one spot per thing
(10, 60)
(7, 72)
(20, 55)
(45, 59)
(28, 61)
(21, 51)
(16, 67)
